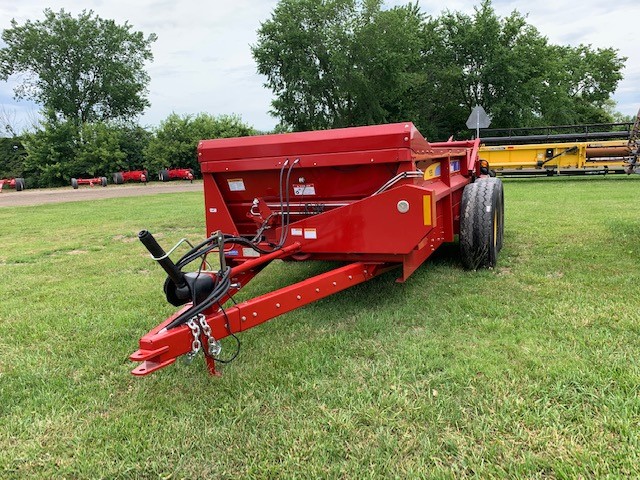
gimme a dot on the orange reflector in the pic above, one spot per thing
(426, 203)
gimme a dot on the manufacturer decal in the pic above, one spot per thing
(432, 171)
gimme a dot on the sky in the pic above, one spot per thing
(203, 63)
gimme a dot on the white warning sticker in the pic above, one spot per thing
(236, 185)
(304, 189)
(296, 232)
(249, 252)
(310, 233)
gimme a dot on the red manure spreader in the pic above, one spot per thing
(17, 183)
(131, 176)
(166, 175)
(376, 198)
(76, 182)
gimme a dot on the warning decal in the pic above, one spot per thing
(304, 189)
(236, 185)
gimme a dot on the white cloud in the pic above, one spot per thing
(203, 60)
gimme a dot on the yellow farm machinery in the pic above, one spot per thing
(589, 149)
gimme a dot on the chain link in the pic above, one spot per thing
(214, 347)
(196, 345)
(198, 325)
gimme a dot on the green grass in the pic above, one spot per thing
(531, 370)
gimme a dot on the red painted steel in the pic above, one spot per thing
(135, 176)
(378, 197)
(89, 181)
(11, 183)
(180, 174)
(161, 347)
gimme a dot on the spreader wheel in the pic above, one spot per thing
(481, 223)
(19, 184)
(118, 179)
(164, 175)
(74, 183)
(103, 181)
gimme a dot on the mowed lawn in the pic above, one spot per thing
(528, 370)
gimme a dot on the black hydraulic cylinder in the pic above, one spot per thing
(158, 253)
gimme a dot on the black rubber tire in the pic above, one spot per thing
(103, 181)
(481, 223)
(20, 184)
(164, 175)
(500, 209)
(118, 179)
(74, 183)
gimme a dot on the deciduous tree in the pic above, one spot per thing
(175, 141)
(333, 63)
(80, 69)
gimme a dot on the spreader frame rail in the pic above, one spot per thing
(160, 347)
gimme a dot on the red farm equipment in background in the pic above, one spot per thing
(17, 183)
(131, 176)
(376, 198)
(166, 175)
(76, 182)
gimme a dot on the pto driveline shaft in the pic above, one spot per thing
(158, 254)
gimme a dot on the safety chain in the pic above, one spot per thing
(196, 345)
(198, 325)
(214, 347)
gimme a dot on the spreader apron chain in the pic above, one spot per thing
(199, 326)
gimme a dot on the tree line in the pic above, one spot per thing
(88, 75)
(57, 152)
(335, 63)
(329, 63)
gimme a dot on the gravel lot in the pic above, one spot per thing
(40, 196)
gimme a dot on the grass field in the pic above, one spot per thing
(530, 370)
